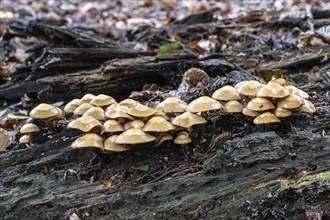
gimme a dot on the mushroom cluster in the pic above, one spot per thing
(114, 127)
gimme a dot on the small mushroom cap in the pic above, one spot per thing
(130, 103)
(88, 140)
(72, 105)
(280, 81)
(232, 106)
(226, 93)
(307, 107)
(297, 91)
(290, 102)
(266, 118)
(158, 124)
(282, 113)
(141, 111)
(102, 100)
(162, 114)
(25, 139)
(172, 104)
(203, 104)
(250, 113)
(44, 111)
(112, 126)
(249, 88)
(95, 112)
(134, 124)
(118, 112)
(260, 104)
(162, 137)
(240, 84)
(273, 90)
(85, 124)
(61, 113)
(112, 106)
(182, 138)
(29, 128)
(134, 136)
(110, 145)
(193, 76)
(81, 109)
(87, 98)
(188, 119)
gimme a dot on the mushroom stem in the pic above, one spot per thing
(194, 140)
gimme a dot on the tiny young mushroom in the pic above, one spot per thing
(134, 124)
(102, 100)
(28, 129)
(226, 93)
(86, 124)
(266, 118)
(95, 112)
(111, 146)
(25, 139)
(72, 105)
(134, 136)
(183, 139)
(162, 137)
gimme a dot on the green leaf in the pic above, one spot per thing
(168, 48)
(143, 168)
(16, 117)
(21, 55)
(269, 74)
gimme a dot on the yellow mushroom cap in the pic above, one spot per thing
(102, 100)
(134, 136)
(162, 114)
(44, 111)
(81, 109)
(110, 145)
(282, 113)
(273, 90)
(250, 113)
(188, 119)
(112, 106)
(307, 107)
(95, 112)
(158, 124)
(182, 138)
(130, 103)
(118, 112)
(162, 137)
(29, 128)
(141, 111)
(260, 104)
(280, 81)
(226, 93)
(25, 139)
(290, 102)
(250, 88)
(134, 124)
(297, 91)
(88, 140)
(85, 124)
(61, 113)
(232, 106)
(266, 118)
(172, 104)
(87, 98)
(72, 105)
(112, 126)
(202, 104)
(240, 84)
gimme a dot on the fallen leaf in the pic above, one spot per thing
(168, 48)
(143, 168)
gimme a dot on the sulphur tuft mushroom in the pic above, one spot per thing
(112, 126)
(290, 102)
(232, 107)
(188, 119)
(130, 103)
(158, 124)
(280, 81)
(307, 107)
(102, 100)
(134, 124)
(134, 136)
(110, 145)
(81, 109)
(95, 112)
(141, 111)
(297, 91)
(162, 137)
(282, 113)
(266, 118)
(25, 139)
(72, 105)
(119, 112)
(249, 88)
(86, 124)
(89, 140)
(226, 93)
(29, 128)
(250, 113)
(260, 104)
(87, 98)
(44, 111)
(172, 105)
(203, 104)
(273, 90)
(182, 138)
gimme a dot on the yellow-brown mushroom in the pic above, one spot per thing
(134, 124)
(290, 102)
(44, 111)
(95, 112)
(89, 140)
(87, 98)
(266, 118)
(260, 104)
(249, 88)
(172, 105)
(158, 124)
(81, 109)
(282, 113)
(112, 126)
(102, 100)
(72, 105)
(86, 124)
(233, 107)
(273, 90)
(134, 136)
(203, 104)
(226, 93)
(141, 111)
(110, 145)
(29, 128)
(188, 119)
